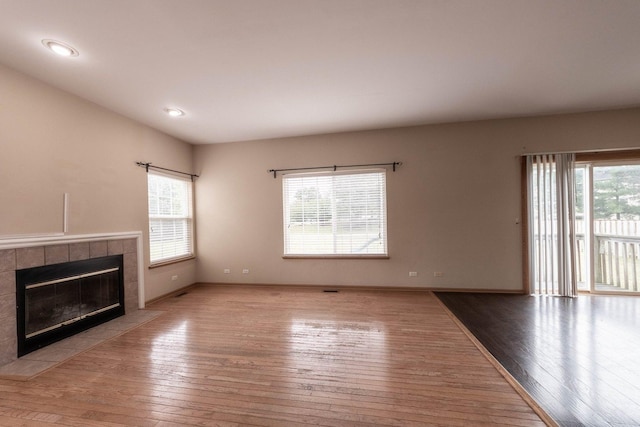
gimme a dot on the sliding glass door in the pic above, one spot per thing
(608, 227)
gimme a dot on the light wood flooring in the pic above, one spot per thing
(276, 356)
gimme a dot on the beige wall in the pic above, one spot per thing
(453, 206)
(53, 143)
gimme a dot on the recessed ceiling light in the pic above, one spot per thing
(174, 112)
(60, 48)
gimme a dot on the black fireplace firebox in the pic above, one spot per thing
(60, 300)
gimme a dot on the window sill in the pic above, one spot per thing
(335, 256)
(171, 261)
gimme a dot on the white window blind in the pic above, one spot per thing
(170, 218)
(335, 213)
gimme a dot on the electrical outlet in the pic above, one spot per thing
(245, 271)
(413, 274)
(227, 271)
(438, 274)
(175, 277)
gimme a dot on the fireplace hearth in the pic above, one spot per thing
(59, 300)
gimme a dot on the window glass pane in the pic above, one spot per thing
(616, 193)
(170, 218)
(616, 227)
(335, 214)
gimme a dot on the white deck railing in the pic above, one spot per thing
(617, 254)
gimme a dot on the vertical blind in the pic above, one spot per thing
(170, 217)
(335, 213)
(551, 208)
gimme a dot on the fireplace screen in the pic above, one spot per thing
(54, 303)
(60, 300)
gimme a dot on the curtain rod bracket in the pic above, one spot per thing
(144, 165)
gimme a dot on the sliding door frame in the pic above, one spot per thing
(581, 157)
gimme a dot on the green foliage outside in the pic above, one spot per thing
(616, 192)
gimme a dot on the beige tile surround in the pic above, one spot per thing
(36, 256)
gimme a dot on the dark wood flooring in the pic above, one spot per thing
(578, 358)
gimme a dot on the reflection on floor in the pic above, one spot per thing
(578, 358)
(39, 361)
(277, 356)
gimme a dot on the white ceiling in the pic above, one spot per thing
(254, 69)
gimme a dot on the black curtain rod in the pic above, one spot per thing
(148, 166)
(334, 167)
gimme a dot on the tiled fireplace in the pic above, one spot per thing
(45, 252)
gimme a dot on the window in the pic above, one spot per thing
(335, 214)
(170, 218)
